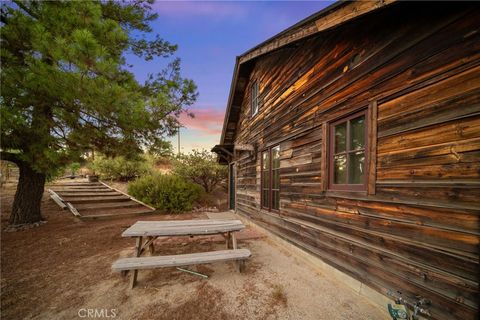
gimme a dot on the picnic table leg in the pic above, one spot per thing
(234, 241)
(227, 240)
(151, 247)
(138, 251)
(240, 264)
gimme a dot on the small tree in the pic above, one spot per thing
(161, 149)
(120, 168)
(200, 167)
(74, 167)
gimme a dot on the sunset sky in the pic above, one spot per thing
(210, 34)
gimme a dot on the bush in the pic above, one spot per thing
(169, 193)
(120, 168)
(202, 168)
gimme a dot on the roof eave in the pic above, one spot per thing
(359, 8)
(308, 19)
(230, 98)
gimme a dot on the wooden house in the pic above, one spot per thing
(355, 135)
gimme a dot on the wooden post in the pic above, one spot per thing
(178, 152)
(138, 250)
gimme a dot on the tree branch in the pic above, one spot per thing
(22, 6)
(3, 19)
(12, 157)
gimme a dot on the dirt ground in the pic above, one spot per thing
(61, 270)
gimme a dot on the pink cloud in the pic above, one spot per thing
(208, 120)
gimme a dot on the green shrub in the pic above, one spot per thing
(202, 168)
(74, 167)
(169, 193)
(120, 168)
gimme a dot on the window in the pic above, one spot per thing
(270, 185)
(254, 92)
(347, 160)
(266, 179)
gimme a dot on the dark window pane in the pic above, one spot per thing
(357, 133)
(340, 169)
(266, 179)
(265, 199)
(276, 179)
(265, 160)
(276, 200)
(356, 167)
(276, 157)
(340, 137)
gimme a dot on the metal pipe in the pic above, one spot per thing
(178, 152)
(193, 272)
(415, 305)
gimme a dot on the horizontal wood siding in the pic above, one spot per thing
(418, 231)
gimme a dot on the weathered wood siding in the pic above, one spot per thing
(419, 231)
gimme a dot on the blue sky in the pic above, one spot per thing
(210, 34)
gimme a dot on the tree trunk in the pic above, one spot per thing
(28, 198)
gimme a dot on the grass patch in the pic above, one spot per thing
(278, 295)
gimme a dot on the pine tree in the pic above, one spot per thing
(66, 88)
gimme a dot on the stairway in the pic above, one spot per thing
(96, 200)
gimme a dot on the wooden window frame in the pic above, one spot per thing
(269, 188)
(254, 98)
(272, 169)
(232, 176)
(331, 153)
(262, 173)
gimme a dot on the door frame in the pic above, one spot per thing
(232, 168)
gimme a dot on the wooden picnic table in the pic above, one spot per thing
(183, 227)
(154, 229)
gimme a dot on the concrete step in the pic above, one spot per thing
(80, 184)
(121, 212)
(88, 194)
(98, 199)
(107, 205)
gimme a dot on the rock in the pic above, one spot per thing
(26, 226)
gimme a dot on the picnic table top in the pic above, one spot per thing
(182, 227)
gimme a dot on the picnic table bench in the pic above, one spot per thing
(154, 229)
